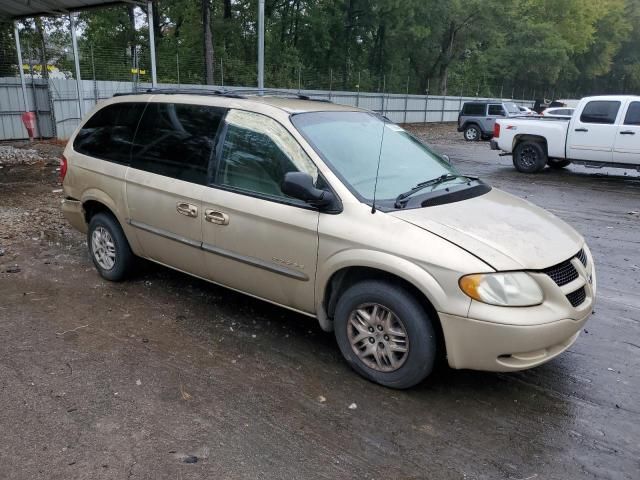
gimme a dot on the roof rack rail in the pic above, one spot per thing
(183, 91)
(227, 92)
(275, 92)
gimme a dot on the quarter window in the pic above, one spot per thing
(177, 140)
(496, 110)
(108, 134)
(633, 114)
(600, 111)
(257, 153)
(473, 109)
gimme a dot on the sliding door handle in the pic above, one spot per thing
(187, 209)
(213, 216)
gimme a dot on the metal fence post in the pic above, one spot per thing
(76, 58)
(16, 34)
(406, 101)
(152, 43)
(384, 87)
(330, 82)
(426, 106)
(95, 84)
(299, 78)
(178, 65)
(444, 106)
(221, 73)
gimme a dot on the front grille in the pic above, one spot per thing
(576, 298)
(582, 257)
(562, 273)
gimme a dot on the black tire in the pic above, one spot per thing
(420, 357)
(124, 258)
(557, 163)
(529, 157)
(472, 133)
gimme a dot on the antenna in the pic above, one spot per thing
(375, 186)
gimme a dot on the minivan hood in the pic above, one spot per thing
(506, 232)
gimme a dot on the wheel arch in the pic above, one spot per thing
(96, 201)
(518, 139)
(342, 278)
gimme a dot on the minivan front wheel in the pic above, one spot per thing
(385, 334)
(109, 248)
(472, 133)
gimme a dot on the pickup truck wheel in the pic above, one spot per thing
(472, 133)
(558, 163)
(529, 157)
(385, 334)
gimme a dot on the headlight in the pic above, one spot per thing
(511, 289)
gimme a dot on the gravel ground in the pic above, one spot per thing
(166, 376)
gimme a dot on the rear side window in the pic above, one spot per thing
(473, 109)
(108, 135)
(600, 111)
(496, 110)
(633, 114)
(177, 140)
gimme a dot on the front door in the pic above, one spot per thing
(591, 135)
(494, 111)
(627, 146)
(256, 239)
(166, 182)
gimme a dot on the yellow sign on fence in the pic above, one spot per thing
(138, 71)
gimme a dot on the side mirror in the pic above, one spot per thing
(300, 185)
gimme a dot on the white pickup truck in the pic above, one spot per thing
(604, 131)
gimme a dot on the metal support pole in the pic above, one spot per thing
(221, 72)
(76, 58)
(299, 78)
(358, 94)
(261, 46)
(95, 84)
(152, 43)
(16, 34)
(406, 101)
(330, 82)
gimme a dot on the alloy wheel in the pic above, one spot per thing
(103, 248)
(378, 337)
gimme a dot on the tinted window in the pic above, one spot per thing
(257, 153)
(600, 111)
(496, 110)
(177, 140)
(633, 114)
(473, 109)
(109, 133)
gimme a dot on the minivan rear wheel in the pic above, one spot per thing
(385, 334)
(109, 248)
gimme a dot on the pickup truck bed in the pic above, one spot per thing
(604, 131)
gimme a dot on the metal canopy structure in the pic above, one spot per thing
(17, 9)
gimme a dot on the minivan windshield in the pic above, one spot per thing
(351, 143)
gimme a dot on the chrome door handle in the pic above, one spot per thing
(216, 217)
(187, 209)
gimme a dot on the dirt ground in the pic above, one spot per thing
(166, 376)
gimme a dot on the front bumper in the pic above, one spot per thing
(499, 347)
(74, 213)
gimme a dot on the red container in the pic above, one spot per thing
(29, 122)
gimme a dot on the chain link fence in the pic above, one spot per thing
(125, 66)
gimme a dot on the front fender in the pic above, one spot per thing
(398, 266)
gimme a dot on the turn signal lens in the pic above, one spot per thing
(511, 289)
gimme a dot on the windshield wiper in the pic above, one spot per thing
(422, 185)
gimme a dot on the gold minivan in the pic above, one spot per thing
(333, 212)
